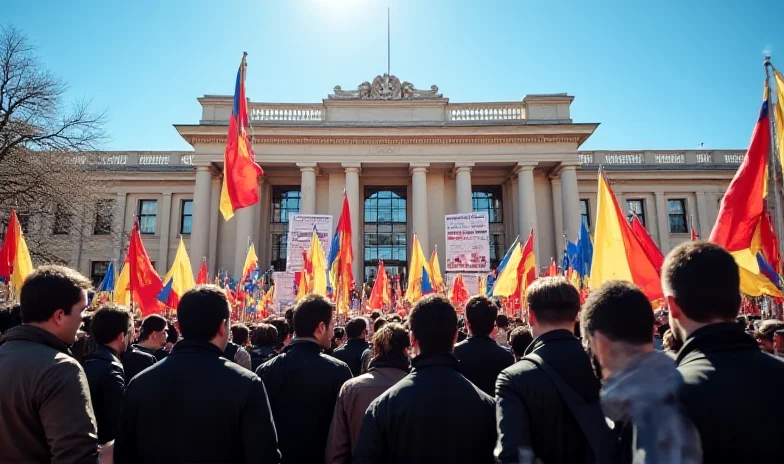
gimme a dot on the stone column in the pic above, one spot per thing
(307, 202)
(571, 202)
(526, 200)
(215, 218)
(245, 218)
(352, 193)
(662, 222)
(118, 227)
(702, 217)
(200, 235)
(419, 204)
(558, 214)
(163, 247)
(463, 187)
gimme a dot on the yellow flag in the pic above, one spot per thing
(250, 261)
(180, 272)
(122, 291)
(506, 283)
(318, 263)
(778, 113)
(609, 251)
(415, 272)
(435, 272)
(23, 265)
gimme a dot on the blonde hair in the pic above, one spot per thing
(392, 338)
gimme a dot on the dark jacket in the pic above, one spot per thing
(107, 389)
(259, 355)
(351, 354)
(303, 386)
(721, 366)
(530, 411)
(196, 406)
(432, 415)
(481, 360)
(45, 410)
(355, 396)
(134, 361)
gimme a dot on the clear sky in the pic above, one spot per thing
(664, 74)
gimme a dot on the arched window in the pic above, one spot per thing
(385, 231)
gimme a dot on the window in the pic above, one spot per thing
(676, 209)
(496, 250)
(104, 214)
(638, 207)
(585, 214)
(148, 214)
(385, 230)
(487, 199)
(97, 271)
(186, 217)
(285, 201)
(62, 220)
(279, 250)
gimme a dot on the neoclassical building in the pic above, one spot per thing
(405, 158)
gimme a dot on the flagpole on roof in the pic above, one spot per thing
(775, 170)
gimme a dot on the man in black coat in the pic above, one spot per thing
(351, 352)
(222, 410)
(152, 337)
(718, 359)
(134, 361)
(303, 383)
(481, 358)
(433, 414)
(112, 328)
(531, 413)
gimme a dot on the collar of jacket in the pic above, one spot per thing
(106, 353)
(35, 334)
(196, 346)
(143, 348)
(424, 361)
(397, 361)
(551, 336)
(357, 341)
(723, 336)
(304, 344)
(481, 338)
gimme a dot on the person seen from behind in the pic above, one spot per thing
(351, 351)
(235, 349)
(766, 333)
(519, 340)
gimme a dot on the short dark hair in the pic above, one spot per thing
(265, 335)
(375, 315)
(378, 324)
(309, 313)
(704, 280)
(481, 313)
(240, 334)
(392, 339)
(338, 334)
(553, 300)
(502, 321)
(282, 326)
(109, 321)
(520, 339)
(49, 288)
(150, 324)
(355, 327)
(201, 312)
(434, 324)
(172, 336)
(620, 311)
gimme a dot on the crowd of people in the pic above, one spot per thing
(608, 381)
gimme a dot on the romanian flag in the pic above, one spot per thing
(317, 264)
(458, 294)
(618, 254)
(15, 262)
(145, 283)
(506, 280)
(527, 266)
(240, 171)
(435, 269)
(178, 280)
(251, 261)
(379, 296)
(341, 257)
(203, 277)
(122, 289)
(419, 280)
(648, 245)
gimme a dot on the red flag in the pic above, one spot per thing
(145, 282)
(742, 205)
(459, 293)
(694, 235)
(648, 245)
(379, 295)
(240, 171)
(552, 271)
(769, 243)
(201, 279)
(8, 250)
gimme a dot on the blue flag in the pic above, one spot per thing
(585, 246)
(107, 284)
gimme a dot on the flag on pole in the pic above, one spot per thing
(203, 277)
(585, 246)
(122, 289)
(145, 282)
(179, 279)
(778, 112)
(15, 262)
(240, 171)
(379, 295)
(318, 266)
(419, 282)
(552, 270)
(435, 269)
(341, 258)
(251, 261)
(458, 294)
(506, 272)
(618, 254)
(648, 245)
(107, 283)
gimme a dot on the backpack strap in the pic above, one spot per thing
(589, 416)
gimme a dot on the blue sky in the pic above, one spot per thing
(656, 75)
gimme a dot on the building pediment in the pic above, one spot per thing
(385, 87)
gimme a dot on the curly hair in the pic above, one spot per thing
(391, 339)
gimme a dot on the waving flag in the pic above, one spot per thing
(458, 294)
(585, 245)
(122, 289)
(15, 262)
(179, 279)
(419, 283)
(318, 266)
(506, 280)
(552, 270)
(203, 277)
(648, 245)
(339, 262)
(145, 283)
(379, 295)
(240, 171)
(435, 269)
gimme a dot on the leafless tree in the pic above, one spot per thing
(46, 149)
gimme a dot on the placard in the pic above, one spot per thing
(467, 242)
(284, 290)
(300, 231)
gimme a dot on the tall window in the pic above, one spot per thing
(97, 271)
(585, 214)
(497, 249)
(636, 207)
(676, 209)
(186, 217)
(385, 230)
(148, 214)
(285, 201)
(62, 220)
(104, 214)
(488, 199)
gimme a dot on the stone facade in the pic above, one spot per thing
(435, 156)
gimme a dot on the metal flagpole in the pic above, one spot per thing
(388, 45)
(775, 172)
